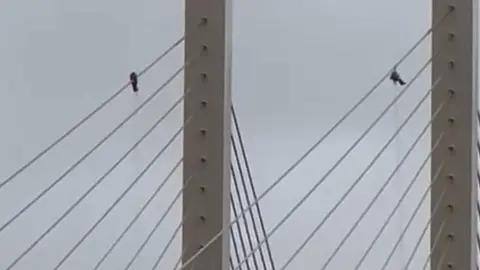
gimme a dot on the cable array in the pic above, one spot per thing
(155, 228)
(98, 182)
(235, 249)
(170, 241)
(404, 232)
(137, 216)
(159, 222)
(315, 145)
(400, 201)
(113, 205)
(435, 245)
(94, 148)
(132, 148)
(90, 115)
(434, 179)
(252, 238)
(239, 230)
(361, 176)
(149, 165)
(238, 227)
(157, 225)
(239, 157)
(339, 161)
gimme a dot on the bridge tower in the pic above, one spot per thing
(206, 144)
(454, 224)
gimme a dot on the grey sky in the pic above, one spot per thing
(298, 66)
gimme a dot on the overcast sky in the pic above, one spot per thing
(298, 66)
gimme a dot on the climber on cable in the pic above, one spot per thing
(395, 77)
(134, 81)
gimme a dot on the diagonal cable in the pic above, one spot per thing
(170, 242)
(419, 241)
(86, 155)
(115, 203)
(435, 245)
(169, 208)
(159, 222)
(132, 222)
(152, 232)
(240, 201)
(392, 213)
(394, 172)
(404, 231)
(235, 213)
(347, 153)
(310, 150)
(147, 203)
(357, 181)
(137, 179)
(442, 258)
(179, 261)
(105, 175)
(254, 193)
(160, 57)
(86, 118)
(234, 241)
(412, 217)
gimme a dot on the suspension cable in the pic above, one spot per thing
(434, 180)
(179, 261)
(395, 171)
(152, 232)
(137, 179)
(240, 201)
(86, 155)
(235, 213)
(234, 238)
(86, 118)
(357, 181)
(419, 241)
(392, 213)
(137, 216)
(92, 187)
(412, 217)
(115, 203)
(254, 193)
(159, 222)
(170, 241)
(417, 174)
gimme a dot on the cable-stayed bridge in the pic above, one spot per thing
(171, 182)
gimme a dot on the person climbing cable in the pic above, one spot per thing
(395, 77)
(134, 81)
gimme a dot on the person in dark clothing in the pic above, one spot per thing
(134, 81)
(395, 77)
